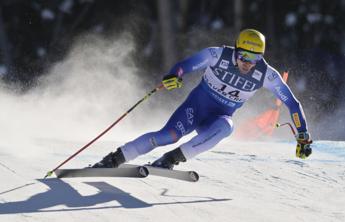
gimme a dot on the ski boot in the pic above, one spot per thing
(112, 160)
(170, 159)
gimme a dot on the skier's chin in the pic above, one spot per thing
(244, 70)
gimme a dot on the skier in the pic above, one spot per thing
(231, 76)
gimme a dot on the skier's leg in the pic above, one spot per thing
(209, 134)
(177, 126)
(182, 122)
(147, 142)
(208, 137)
(139, 146)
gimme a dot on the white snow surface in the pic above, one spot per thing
(239, 181)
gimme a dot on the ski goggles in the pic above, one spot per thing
(250, 57)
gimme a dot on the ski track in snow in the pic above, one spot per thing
(239, 181)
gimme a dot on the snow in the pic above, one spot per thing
(240, 181)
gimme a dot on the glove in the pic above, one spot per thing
(172, 81)
(303, 149)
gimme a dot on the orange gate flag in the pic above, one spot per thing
(262, 125)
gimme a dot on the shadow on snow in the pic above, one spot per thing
(61, 193)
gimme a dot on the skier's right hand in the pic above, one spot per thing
(303, 149)
(172, 81)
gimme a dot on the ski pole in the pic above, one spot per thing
(49, 173)
(289, 124)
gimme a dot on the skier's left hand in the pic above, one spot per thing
(303, 149)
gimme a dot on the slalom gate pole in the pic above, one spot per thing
(49, 173)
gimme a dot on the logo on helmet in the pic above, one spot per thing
(251, 43)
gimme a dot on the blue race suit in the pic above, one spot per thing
(209, 107)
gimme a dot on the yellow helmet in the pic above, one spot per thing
(251, 40)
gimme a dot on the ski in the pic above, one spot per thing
(129, 170)
(190, 176)
(135, 171)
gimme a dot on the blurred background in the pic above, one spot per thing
(304, 37)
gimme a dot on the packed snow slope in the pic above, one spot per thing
(240, 181)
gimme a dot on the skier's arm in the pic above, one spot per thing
(275, 83)
(198, 61)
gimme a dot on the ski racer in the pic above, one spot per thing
(231, 76)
